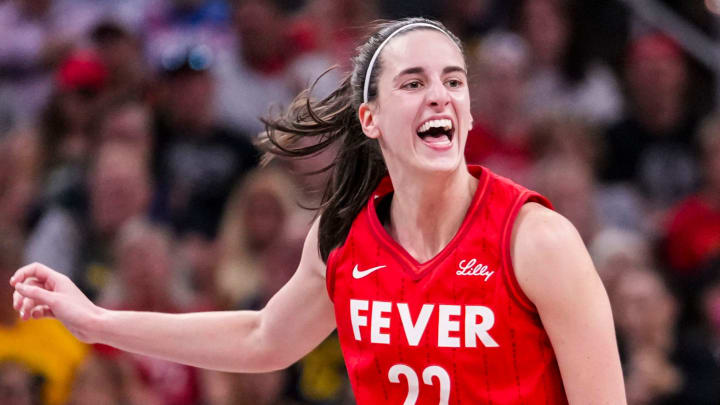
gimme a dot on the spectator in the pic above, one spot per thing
(109, 380)
(64, 141)
(265, 66)
(126, 120)
(143, 277)
(500, 138)
(653, 146)
(564, 78)
(198, 263)
(341, 30)
(471, 19)
(42, 346)
(558, 139)
(121, 53)
(33, 42)
(197, 160)
(570, 184)
(262, 211)
(19, 179)
(247, 389)
(17, 385)
(145, 280)
(693, 226)
(77, 232)
(698, 349)
(646, 314)
(616, 251)
(177, 24)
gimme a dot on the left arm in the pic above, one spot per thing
(555, 271)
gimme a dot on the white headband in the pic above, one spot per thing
(382, 45)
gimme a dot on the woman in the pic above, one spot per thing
(457, 276)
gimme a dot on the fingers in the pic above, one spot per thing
(41, 311)
(17, 300)
(37, 270)
(33, 295)
(27, 308)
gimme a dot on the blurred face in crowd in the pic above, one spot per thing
(15, 385)
(422, 82)
(264, 218)
(96, 382)
(656, 72)
(129, 124)
(568, 182)
(545, 29)
(119, 187)
(189, 100)
(261, 27)
(502, 63)
(280, 263)
(645, 309)
(122, 57)
(143, 260)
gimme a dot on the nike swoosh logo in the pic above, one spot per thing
(362, 273)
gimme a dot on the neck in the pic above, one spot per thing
(425, 215)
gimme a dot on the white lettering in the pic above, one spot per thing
(468, 268)
(414, 332)
(378, 322)
(445, 326)
(473, 329)
(475, 320)
(356, 319)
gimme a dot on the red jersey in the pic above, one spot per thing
(456, 329)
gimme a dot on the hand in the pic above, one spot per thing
(42, 292)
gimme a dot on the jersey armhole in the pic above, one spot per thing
(513, 285)
(330, 274)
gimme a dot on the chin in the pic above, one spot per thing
(442, 164)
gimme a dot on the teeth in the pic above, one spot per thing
(444, 123)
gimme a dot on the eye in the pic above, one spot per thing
(415, 84)
(454, 83)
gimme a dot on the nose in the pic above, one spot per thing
(437, 95)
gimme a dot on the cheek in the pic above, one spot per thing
(462, 108)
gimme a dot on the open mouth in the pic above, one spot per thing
(437, 132)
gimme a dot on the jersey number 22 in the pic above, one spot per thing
(414, 384)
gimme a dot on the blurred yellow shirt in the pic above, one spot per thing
(47, 349)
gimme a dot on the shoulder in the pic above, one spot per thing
(537, 226)
(549, 257)
(311, 260)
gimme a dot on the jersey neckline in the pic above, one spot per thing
(415, 269)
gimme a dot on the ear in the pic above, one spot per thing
(366, 114)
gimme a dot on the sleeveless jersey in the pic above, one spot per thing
(456, 329)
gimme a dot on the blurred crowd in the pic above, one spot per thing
(127, 162)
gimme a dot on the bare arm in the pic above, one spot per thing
(556, 273)
(295, 320)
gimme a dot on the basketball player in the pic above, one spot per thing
(447, 284)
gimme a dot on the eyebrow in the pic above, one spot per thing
(417, 69)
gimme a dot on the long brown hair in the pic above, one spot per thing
(358, 166)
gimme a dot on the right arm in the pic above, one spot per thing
(294, 321)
